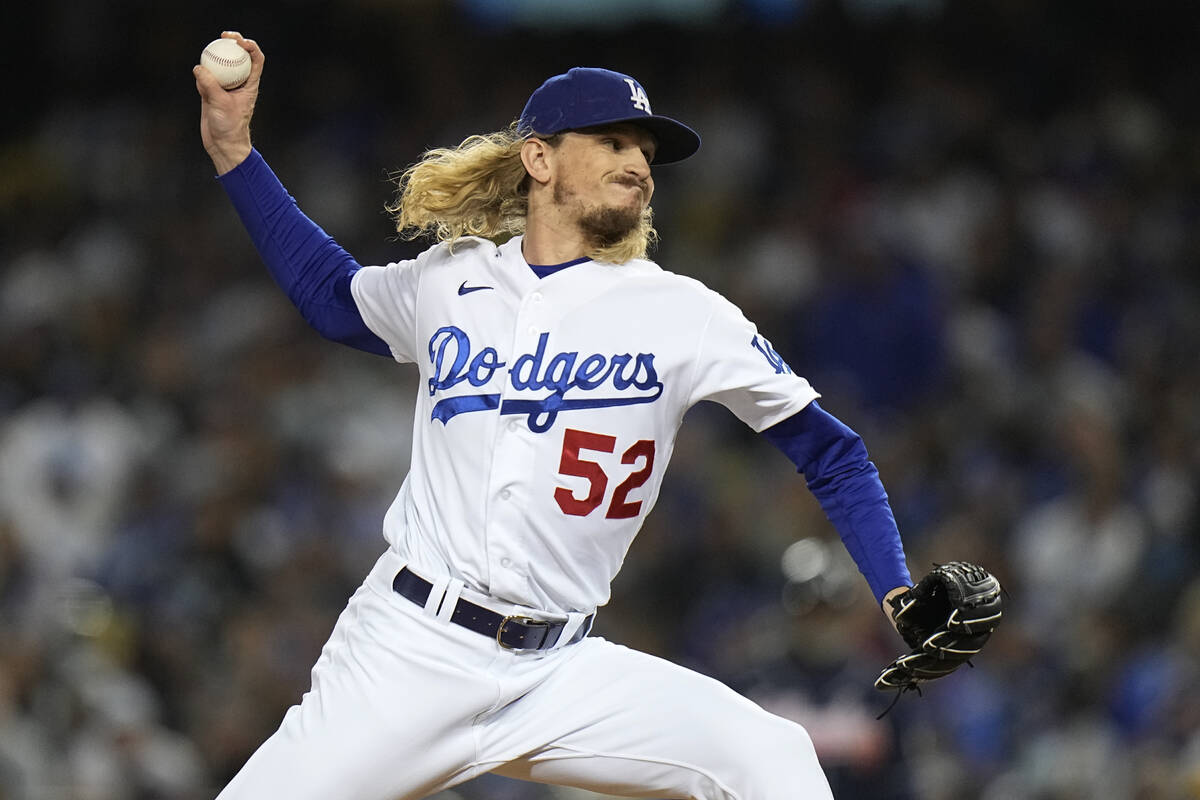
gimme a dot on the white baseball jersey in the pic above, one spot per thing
(548, 409)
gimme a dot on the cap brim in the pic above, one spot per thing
(676, 141)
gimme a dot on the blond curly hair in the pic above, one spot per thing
(481, 188)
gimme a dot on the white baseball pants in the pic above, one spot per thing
(404, 704)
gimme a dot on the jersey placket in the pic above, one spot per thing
(512, 480)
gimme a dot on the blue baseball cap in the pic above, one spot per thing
(587, 96)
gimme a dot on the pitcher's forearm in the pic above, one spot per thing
(226, 156)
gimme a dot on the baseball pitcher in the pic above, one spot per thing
(555, 370)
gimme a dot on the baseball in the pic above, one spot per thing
(226, 60)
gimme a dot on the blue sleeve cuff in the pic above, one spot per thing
(833, 460)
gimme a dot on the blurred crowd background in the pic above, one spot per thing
(972, 225)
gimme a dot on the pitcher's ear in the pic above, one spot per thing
(537, 156)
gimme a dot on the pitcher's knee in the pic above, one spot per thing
(780, 764)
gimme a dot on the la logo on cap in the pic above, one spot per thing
(638, 95)
(587, 97)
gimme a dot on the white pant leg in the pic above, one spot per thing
(622, 722)
(390, 712)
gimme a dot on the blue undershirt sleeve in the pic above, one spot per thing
(305, 261)
(833, 460)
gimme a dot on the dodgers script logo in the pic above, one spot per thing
(592, 381)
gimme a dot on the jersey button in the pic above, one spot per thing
(505, 494)
(512, 426)
(536, 297)
(533, 330)
(506, 562)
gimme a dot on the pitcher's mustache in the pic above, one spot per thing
(628, 180)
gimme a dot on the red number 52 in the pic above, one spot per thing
(571, 464)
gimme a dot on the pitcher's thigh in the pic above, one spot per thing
(618, 721)
(382, 721)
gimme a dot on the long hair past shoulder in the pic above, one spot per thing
(480, 188)
(475, 189)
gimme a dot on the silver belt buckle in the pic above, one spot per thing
(528, 621)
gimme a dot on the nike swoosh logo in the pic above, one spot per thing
(464, 289)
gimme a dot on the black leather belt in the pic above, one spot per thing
(512, 633)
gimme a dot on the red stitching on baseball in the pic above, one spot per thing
(223, 61)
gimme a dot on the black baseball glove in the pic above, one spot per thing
(946, 619)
